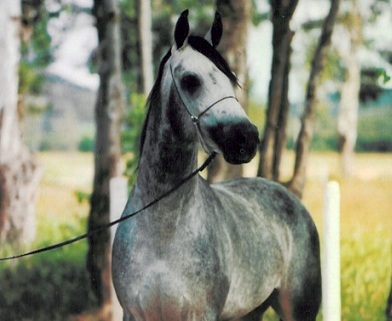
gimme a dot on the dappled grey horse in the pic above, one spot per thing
(209, 252)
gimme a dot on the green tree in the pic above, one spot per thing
(274, 138)
(297, 182)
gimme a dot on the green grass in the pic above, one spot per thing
(375, 130)
(366, 272)
(52, 286)
(366, 225)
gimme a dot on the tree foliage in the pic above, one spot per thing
(36, 49)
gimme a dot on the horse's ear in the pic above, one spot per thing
(214, 35)
(182, 29)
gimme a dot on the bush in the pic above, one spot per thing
(49, 286)
(86, 144)
(44, 289)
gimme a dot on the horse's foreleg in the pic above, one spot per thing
(257, 314)
(295, 308)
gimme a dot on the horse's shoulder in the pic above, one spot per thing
(269, 196)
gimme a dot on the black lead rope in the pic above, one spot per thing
(110, 224)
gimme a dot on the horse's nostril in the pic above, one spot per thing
(242, 151)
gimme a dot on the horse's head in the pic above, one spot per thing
(204, 85)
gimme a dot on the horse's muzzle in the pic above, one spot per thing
(237, 141)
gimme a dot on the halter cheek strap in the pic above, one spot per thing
(195, 119)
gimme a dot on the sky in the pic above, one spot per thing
(76, 38)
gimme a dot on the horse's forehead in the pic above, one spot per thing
(189, 59)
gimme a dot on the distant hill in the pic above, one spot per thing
(67, 116)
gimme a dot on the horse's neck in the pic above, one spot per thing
(167, 157)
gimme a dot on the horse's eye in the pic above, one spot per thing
(190, 83)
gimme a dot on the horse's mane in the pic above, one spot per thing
(153, 98)
(204, 47)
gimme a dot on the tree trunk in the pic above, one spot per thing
(108, 113)
(236, 15)
(19, 171)
(297, 183)
(348, 116)
(274, 138)
(349, 101)
(145, 36)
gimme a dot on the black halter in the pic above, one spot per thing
(195, 119)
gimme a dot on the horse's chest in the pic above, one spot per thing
(170, 280)
(160, 292)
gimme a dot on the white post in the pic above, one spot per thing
(331, 254)
(118, 199)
